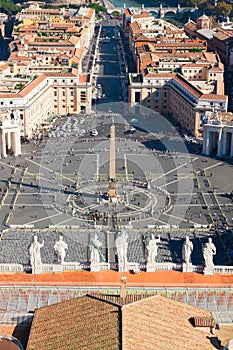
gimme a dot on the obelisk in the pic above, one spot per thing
(112, 165)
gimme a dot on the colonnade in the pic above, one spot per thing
(10, 138)
(218, 138)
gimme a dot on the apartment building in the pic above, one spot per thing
(49, 94)
(53, 38)
(172, 93)
(175, 74)
(43, 75)
(219, 39)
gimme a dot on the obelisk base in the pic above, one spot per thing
(112, 192)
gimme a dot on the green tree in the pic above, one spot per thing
(223, 9)
(9, 7)
(98, 8)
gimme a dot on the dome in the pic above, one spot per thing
(10, 343)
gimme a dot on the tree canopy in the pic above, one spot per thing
(8, 7)
(98, 8)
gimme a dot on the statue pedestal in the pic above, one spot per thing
(37, 271)
(133, 266)
(151, 267)
(96, 267)
(187, 267)
(208, 270)
(123, 267)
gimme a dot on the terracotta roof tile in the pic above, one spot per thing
(214, 97)
(83, 323)
(135, 27)
(100, 321)
(127, 12)
(161, 323)
(143, 15)
(4, 66)
(84, 78)
(188, 86)
(89, 13)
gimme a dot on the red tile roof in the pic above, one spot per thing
(188, 86)
(107, 322)
(143, 15)
(161, 323)
(4, 66)
(84, 78)
(214, 97)
(84, 323)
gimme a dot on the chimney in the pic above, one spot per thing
(204, 322)
(123, 289)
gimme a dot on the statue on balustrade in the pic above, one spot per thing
(187, 250)
(122, 247)
(95, 250)
(60, 249)
(152, 249)
(209, 250)
(35, 255)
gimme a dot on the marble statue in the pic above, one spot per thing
(152, 249)
(60, 249)
(187, 250)
(121, 247)
(95, 254)
(35, 256)
(209, 250)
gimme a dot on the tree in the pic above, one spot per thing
(223, 9)
(98, 8)
(9, 7)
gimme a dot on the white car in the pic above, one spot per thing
(94, 132)
(132, 129)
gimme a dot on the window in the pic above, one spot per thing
(157, 94)
(137, 96)
(55, 92)
(83, 96)
(63, 93)
(71, 92)
(165, 93)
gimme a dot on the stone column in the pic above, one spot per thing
(17, 143)
(219, 153)
(204, 141)
(0, 143)
(231, 152)
(224, 143)
(208, 143)
(13, 144)
(3, 142)
(8, 140)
